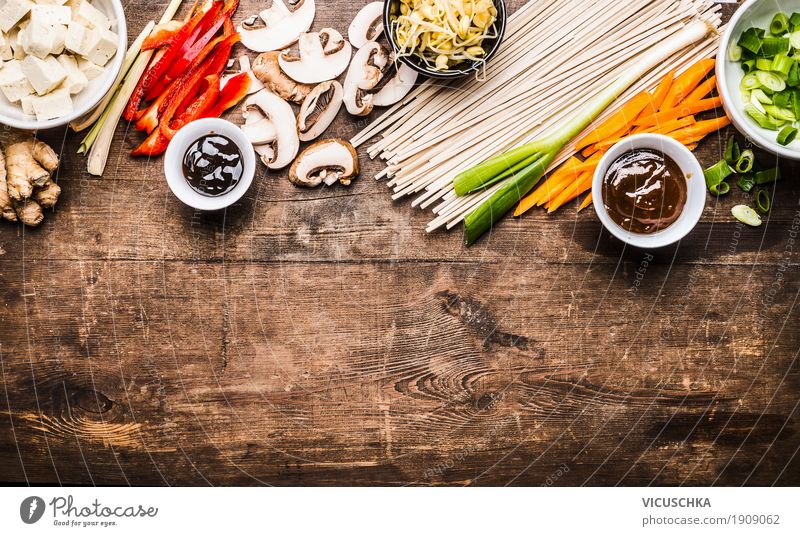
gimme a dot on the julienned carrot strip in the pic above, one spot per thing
(682, 110)
(661, 92)
(701, 129)
(586, 202)
(544, 192)
(703, 90)
(583, 184)
(670, 126)
(618, 121)
(687, 82)
(692, 146)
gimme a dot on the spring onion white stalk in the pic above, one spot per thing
(541, 153)
(130, 56)
(98, 140)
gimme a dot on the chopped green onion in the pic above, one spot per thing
(761, 97)
(763, 202)
(770, 81)
(745, 162)
(715, 178)
(794, 20)
(779, 24)
(795, 102)
(746, 215)
(787, 135)
(770, 46)
(794, 39)
(779, 113)
(735, 52)
(732, 151)
(782, 99)
(781, 63)
(763, 64)
(750, 65)
(750, 40)
(767, 176)
(761, 118)
(750, 82)
(793, 79)
(746, 182)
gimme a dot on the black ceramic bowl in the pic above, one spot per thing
(392, 7)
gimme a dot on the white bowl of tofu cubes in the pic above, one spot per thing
(60, 58)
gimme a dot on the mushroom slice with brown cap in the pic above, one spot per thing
(281, 119)
(277, 27)
(365, 73)
(319, 109)
(322, 56)
(396, 87)
(326, 161)
(367, 25)
(267, 70)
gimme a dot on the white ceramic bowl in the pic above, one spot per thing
(173, 163)
(85, 101)
(729, 74)
(695, 202)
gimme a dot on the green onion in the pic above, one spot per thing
(794, 20)
(750, 82)
(763, 64)
(771, 46)
(780, 114)
(735, 52)
(763, 202)
(732, 151)
(746, 182)
(793, 79)
(750, 65)
(761, 118)
(715, 178)
(750, 40)
(761, 97)
(767, 176)
(770, 81)
(746, 215)
(781, 63)
(779, 24)
(782, 100)
(794, 39)
(543, 152)
(745, 162)
(787, 135)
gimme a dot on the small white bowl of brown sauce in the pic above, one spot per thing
(649, 191)
(209, 164)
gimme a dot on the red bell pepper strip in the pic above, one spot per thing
(160, 64)
(211, 19)
(154, 145)
(161, 34)
(204, 101)
(189, 83)
(184, 60)
(231, 93)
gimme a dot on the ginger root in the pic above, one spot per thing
(26, 186)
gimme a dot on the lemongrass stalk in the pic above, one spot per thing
(480, 220)
(101, 143)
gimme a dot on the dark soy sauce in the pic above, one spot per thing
(213, 165)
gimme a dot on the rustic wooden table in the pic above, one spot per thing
(321, 337)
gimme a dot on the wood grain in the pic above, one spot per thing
(313, 337)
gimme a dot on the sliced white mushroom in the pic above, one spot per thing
(367, 25)
(277, 112)
(326, 161)
(396, 87)
(267, 70)
(319, 109)
(277, 27)
(365, 73)
(321, 56)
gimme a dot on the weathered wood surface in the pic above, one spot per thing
(320, 337)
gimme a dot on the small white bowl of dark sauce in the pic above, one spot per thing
(649, 191)
(209, 164)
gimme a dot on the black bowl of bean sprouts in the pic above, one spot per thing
(425, 64)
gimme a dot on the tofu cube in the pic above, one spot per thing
(5, 48)
(59, 39)
(12, 11)
(44, 75)
(90, 16)
(90, 69)
(39, 39)
(51, 14)
(104, 46)
(27, 104)
(16, 46)
(76, 81)
(13, 82)
(79, 39)
(55, 104)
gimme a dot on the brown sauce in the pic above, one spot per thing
(644, 191)
(213, 165)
